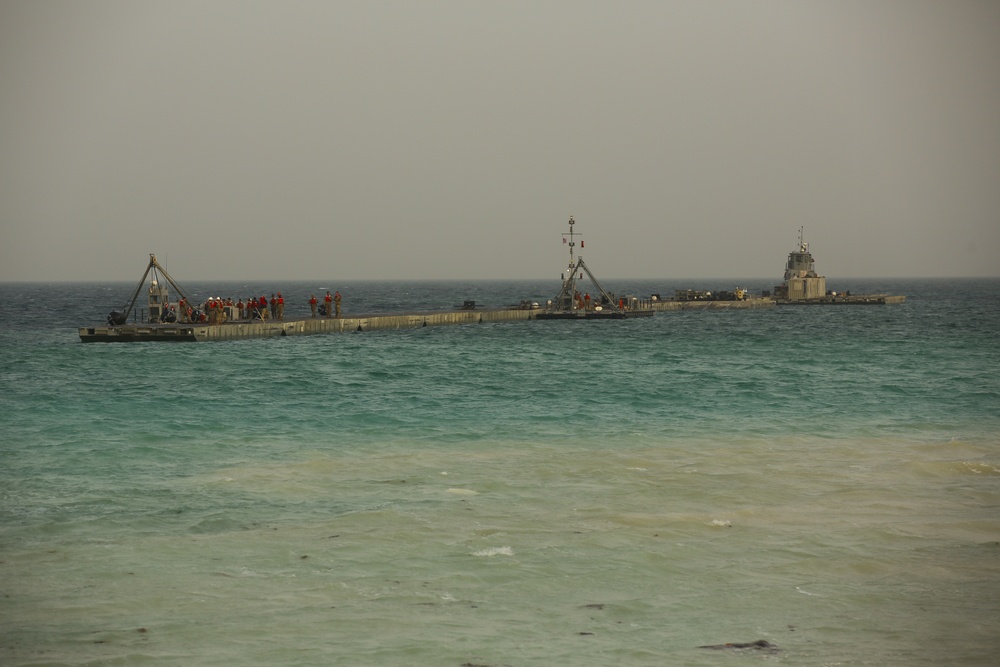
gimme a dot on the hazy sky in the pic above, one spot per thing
(453, 139)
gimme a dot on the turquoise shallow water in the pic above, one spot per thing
(827, 479)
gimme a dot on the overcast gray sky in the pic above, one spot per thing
(453, 139)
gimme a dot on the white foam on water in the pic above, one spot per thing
(494, 551)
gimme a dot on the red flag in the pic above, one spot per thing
(564, 239)
(581, 243)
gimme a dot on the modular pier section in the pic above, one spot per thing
(243, 330)
(846, 299)
(671, 305)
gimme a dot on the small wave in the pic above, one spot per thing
(980, 468)
(494, 551)
(953, 468)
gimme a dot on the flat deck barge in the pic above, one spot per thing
(571, 304)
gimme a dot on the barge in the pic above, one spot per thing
(572, 304)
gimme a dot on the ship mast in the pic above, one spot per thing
(571, 234)
(566, 299)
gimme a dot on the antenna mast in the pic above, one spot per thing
(571, 234)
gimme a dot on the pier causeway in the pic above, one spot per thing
(243, 330)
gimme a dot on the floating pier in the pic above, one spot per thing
(752, 302)
(242, 330)
(846, 300)
(801, 286)
(216, 320)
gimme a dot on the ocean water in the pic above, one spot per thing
(531, 493)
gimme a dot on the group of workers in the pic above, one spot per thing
(217, 310)
(584, 302)
(331, 304)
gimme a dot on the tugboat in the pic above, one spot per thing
(802, 286)
(571, 304)
(800, 282)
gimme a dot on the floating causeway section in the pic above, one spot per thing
(671, 305)
(243, 330)
(846, 300)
